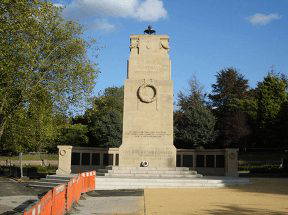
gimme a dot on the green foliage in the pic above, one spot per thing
(104, 119)
(271, 94)
(272, 97)
(229, 87)
(283, 125)
(193, 122)
(73, 135)
(232, 103)
(268, 170)
(44, 71)
(234, 129)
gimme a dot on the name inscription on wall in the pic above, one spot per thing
(148, 134)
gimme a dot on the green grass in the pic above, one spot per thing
(260, 156)
(31, 157)
(47, 169)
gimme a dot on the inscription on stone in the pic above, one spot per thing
(149, 153)
(149, 68)
(151, 134)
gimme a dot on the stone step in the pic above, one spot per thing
(148, 168)
(61, 177)
(136, 187)
(51, 181)
(145, 171)
(113, 183)
(131, 175)
(60, 181)
(42, 184)
(171, 180)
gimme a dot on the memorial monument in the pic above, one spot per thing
(147, 149)
(148, 104)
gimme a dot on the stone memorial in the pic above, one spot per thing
(147, 151)
(148, 105)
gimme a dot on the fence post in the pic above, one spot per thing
(21, 164)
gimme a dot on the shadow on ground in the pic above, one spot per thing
(20, 208)
(108, 193)
(9, 187)
(236, 209)
(265, 185)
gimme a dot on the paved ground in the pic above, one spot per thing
(263, 196)
(15, 197)
(126, 202)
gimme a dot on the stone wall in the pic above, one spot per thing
(220, 162)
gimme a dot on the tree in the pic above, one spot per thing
(104, 119)
(271, 96)
(73, 135)
(31, 128)
(193, 121)
(234, 129)
(283, 125)
(230, 95)
(230, 85)
(43, 61)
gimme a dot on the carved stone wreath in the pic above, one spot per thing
(144, 98)
(144, 164)
(62, 152)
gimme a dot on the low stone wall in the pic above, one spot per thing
(80, 159)
(220, 162)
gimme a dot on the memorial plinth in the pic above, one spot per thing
(148, 105)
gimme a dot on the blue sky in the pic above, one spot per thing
(205, 36)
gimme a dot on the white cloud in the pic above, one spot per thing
(263, 19)
(58, 5)
(102, 24)
(95, 11)
(150, 10)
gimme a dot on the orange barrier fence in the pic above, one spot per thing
(33, 210)
(92, 180)
(70, 193)
(43, 206)
(78, 188)
(46, 203)
(88, 181)
(61, 198)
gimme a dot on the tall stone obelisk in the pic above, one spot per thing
(148, 105)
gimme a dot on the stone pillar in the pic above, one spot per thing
(64, 163)
(148, 105)
(231, 162)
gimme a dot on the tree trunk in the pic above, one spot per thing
(2, 127)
